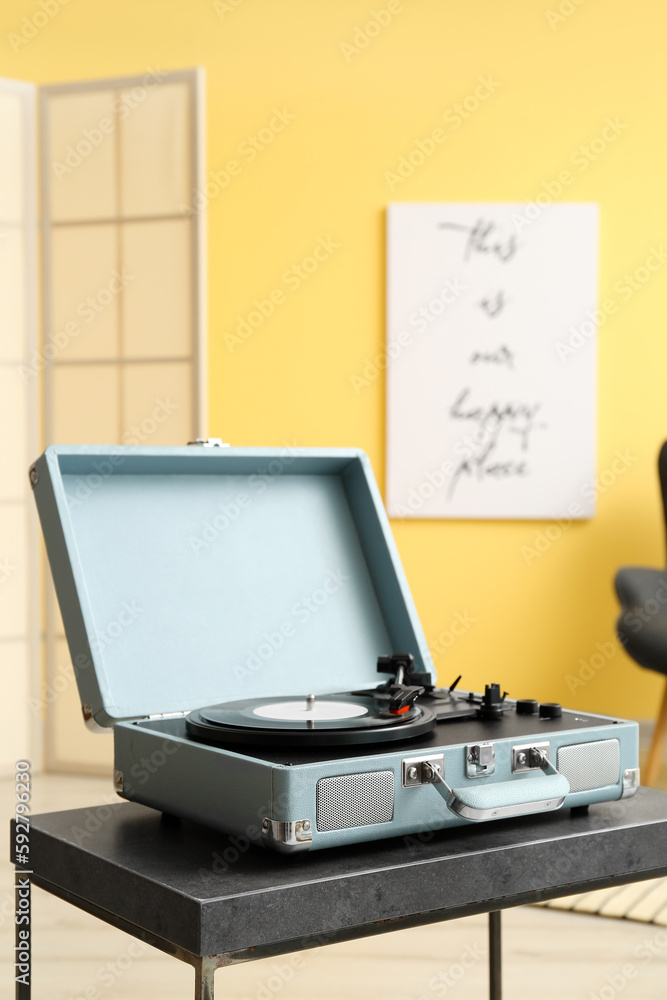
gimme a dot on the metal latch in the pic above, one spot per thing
(480, 759)
(423, 770)
(209, 442)
(531, 757)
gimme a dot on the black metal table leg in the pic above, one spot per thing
(495, 958)
(204, 972)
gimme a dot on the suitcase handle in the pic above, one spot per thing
(506, 798)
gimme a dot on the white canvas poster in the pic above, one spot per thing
(491, 371)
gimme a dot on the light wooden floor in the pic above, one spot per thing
(548, 955)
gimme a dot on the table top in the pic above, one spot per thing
(189, 888)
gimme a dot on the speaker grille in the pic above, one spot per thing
(355, 800)
(590, 765)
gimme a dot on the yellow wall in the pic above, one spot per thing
(355, 113)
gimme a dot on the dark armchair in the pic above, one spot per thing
(642, 626)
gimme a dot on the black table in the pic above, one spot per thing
(211, 900)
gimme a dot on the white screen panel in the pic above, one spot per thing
(87, 286)
(82, 162)
(13, 284)
(154, 148)
(157, 317)
(19, 676)
(13, 125)
(124, 272)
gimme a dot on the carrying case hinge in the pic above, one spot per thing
(209, 443)
(164, 715)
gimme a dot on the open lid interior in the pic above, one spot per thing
(190, 576)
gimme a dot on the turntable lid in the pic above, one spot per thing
(188, 576)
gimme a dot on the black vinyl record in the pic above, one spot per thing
(322, 720)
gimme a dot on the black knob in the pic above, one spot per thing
(527, 706)
(550, 710)
(492, 703)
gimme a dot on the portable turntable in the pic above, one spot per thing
(266, 673)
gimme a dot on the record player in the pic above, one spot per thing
(240, 617)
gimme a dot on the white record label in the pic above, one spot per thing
(296, 711)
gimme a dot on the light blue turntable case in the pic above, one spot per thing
(196, 575)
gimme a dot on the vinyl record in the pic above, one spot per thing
(324, 720)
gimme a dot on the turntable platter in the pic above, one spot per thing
(317, 710)
(325, 720)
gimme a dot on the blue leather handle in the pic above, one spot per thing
(499, 799)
